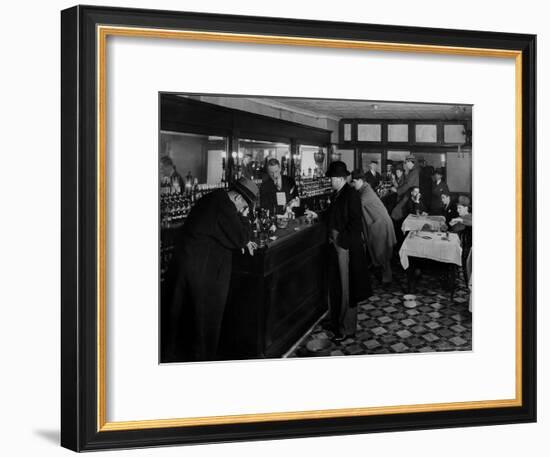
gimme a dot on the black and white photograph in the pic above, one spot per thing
(300, 227)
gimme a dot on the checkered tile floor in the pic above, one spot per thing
(386, 326)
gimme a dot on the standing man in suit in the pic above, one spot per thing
(411, 180)
(348, 270)
(197, 281)
(439, 187)
(372, 176)
(425, 181)
(278, 193)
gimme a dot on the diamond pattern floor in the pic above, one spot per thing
(385, 325)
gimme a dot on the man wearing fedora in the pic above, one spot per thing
(197, 281)
(348, 270)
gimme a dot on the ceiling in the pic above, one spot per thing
(338, 109)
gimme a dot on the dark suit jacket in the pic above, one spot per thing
(448, 211)
(414, 207)
(197, 281)
(268, 193)
(345, 216)
(411, 179)
(437, 190)
(373, 180)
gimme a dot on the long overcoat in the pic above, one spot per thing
(196, 286)
(345, 218)
(412, 179)
(378, 227)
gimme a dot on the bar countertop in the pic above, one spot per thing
(277, 293)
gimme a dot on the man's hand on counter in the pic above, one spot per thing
(310, 213)
(251, 246)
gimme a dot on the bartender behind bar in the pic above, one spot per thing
(278, 193)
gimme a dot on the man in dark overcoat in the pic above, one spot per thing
(349, 282)
(197, 282)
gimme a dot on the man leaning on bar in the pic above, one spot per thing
(197, 282)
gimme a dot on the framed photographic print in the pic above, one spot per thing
(267, 228)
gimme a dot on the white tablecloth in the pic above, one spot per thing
(414, 222)
(431, 245)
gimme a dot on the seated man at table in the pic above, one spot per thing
(278, 193)
(415, 204)
(448, 208)
(462, 224)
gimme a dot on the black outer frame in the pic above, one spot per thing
(78, 228)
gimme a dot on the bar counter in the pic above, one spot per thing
(277, 294)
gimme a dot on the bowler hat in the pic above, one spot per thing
(247, 188)
(337, 169)
(439, 171)
(357, 174)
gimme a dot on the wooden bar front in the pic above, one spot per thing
(277, 294)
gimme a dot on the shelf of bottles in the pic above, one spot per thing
(176, 201)
(315, 192)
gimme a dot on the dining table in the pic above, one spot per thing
(421, 222)
(438, 246)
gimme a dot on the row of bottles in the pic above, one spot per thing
(313, 187)
(175, 206)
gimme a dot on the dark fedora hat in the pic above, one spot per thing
(439, 171)
(357, 174)
(247, 188)
(337, 169)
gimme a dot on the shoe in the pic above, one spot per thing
(338, 337)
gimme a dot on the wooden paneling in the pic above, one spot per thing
(276, 295)
(182, 114)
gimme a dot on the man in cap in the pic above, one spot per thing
(348, 269)
(411, 180)
(378, 227)
(439, 187)
(197, 281)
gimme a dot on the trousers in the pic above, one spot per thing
(343, 317)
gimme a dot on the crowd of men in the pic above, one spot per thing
(361, 235)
